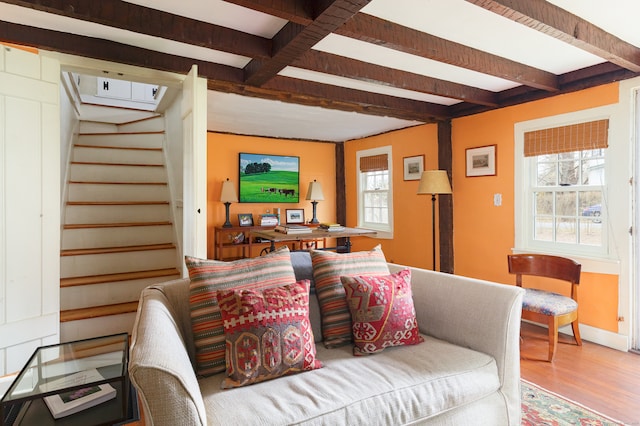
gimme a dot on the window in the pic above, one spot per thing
(564, 181)
(375, 196)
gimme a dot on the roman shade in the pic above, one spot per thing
(575, 137)
(374, 163)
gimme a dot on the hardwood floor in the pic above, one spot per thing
(598, 377)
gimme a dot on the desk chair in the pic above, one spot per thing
(546, 307)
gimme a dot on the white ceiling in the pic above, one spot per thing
(455, 20)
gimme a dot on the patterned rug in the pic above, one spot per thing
(541, 407)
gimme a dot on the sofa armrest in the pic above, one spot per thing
(476, 314)
(159, 365)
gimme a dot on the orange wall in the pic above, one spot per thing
(483, 233)
(317, 161)
(411, 244)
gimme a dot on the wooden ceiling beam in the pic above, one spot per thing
(294, 39)
(315, 94)
(556, 22)
(110, 51)
(376, 74)
(569, 82)
(393, 36)
(291, 10)
(152, 22)
(221, 77)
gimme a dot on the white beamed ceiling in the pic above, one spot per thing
(455, 20)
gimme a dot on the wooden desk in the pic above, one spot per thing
(316, 234)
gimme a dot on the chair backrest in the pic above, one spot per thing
(543, 265)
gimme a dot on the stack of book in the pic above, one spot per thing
(269, 219)
(293, 229)
(331, 227)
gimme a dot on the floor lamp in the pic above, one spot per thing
(434, 182)
(228, 196)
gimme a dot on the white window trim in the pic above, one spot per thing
(609, 262)
(383, 234)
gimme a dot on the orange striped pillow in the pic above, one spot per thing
(328, 267)
(208, 276)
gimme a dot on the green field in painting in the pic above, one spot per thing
(255, 188)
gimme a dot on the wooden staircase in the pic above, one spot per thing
(118, 236)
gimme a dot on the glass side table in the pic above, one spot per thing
(65, 367)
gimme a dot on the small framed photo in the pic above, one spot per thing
(295, 215)
(413, 167)
(245, 219)
(481, 161)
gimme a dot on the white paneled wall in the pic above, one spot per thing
(29, 205)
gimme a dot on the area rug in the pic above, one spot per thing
(541, 407)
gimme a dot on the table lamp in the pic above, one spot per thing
(314, 193)
(434, 182)
(228, 196)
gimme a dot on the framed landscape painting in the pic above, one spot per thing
(266, 178)
(481, 161)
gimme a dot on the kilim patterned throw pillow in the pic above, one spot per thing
(328, 267)
(208, 276)
(382, 312)
(268, 333)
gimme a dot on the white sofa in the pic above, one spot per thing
(467, 372)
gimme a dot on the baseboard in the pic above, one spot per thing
(604, 337)
(597, 335)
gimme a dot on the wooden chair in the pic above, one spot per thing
(546, 307)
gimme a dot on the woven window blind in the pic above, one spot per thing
(374, 163)
(576, 137)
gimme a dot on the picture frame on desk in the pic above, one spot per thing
(295, 216)
(245, 219)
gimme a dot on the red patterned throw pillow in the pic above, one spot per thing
(208, 276)
(382, 312)
(268, 333)
(328, 267)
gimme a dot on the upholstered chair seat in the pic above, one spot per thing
(547, 303)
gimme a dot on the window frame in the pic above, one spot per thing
(603, 259)
(575, 248)
(384, 232)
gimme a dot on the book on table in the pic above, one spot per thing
(269, 219)
(335, 227)
(293, 229)
(71, 402)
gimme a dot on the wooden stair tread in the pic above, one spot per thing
(114, 225)
(154, 132)
(116, 183)
(116, 203)
(133, 148)
(97, 163)
(124, 249)
(98, 311)
(123, 276)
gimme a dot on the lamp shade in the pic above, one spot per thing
(228, 194)
(434, 182)
(315, 191)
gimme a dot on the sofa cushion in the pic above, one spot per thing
(328, 267)
(400, 385)
(208, 276)
(267, 333)
(382, 312)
